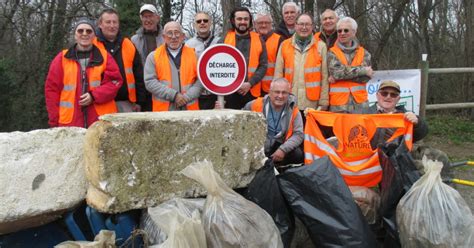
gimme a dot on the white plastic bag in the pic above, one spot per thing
(230, 220)
(180, 220)
(432, 214)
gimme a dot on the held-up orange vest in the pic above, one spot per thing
(68, 94)
(255, 51)
(128, 54)
(257, 106)
(357, 162)
(187, 75)
(340, 90)
(272, 51)
(312, 68)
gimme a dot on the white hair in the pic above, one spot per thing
(279, 80)
(262, 15)
(291, 4)
(349, 20)
(168, 24)
(328, 10)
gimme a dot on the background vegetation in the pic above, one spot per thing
(396, 32)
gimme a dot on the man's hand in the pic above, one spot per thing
(411, 117)
(278, 155)
(331, 80)
(306, 111)
(244, 88)
(180, 100)
(370, 72)
(85, 99)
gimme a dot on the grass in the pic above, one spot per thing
(456, 129)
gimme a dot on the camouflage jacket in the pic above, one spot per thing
(344, 72)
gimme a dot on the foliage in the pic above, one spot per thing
(455, 129)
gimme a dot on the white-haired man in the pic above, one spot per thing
(171, 74)
(327, 32)
(349, 70)
(290, 11)
(264, 27)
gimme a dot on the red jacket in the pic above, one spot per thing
(109, 85)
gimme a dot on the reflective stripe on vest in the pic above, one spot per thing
(340, 90)
(272, 51)
(187, 75)
(312, 68)
(257, 106)
(128, 54)
(254, 55)
(357, 162)
(71, 78)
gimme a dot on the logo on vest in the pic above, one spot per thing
(358, 142)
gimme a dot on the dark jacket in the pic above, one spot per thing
(420, 130)
(115, 49)
(283, 30)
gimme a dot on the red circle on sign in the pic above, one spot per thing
(207, 82)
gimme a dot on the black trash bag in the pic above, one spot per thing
(399, 174)
(265, 192)
(320, 198)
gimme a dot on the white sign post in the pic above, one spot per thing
(222, 69)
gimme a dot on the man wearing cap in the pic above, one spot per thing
(203, 39)
(388, 96)
(149, 36)
(171, 73)
(82, 81)
(131, 95)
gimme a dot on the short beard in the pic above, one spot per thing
(238, 30)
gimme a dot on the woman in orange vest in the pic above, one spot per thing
(82, 81)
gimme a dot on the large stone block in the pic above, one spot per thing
(133, 160)
(42, 175)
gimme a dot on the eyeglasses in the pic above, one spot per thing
(304, 24)
(264, 23)
(82, 31)
(343, 30)
(202, 20)
(173, 34)
(391, 94)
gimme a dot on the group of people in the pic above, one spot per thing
(290, 69)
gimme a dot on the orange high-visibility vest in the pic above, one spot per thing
(128, 54)
(272, 51)
(257, 106)
(68, 94)
(254, 55)
(316, 37)
(357, 162)
(312, 68)
(187, 75)
(340, 90)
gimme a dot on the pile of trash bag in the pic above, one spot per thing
(228, 219)
(432, 214)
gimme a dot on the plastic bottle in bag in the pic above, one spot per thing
(432, 214)
(230, 220)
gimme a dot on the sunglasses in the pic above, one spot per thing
(343, 30)
(82, 31)
(202, 20)
(391, 94)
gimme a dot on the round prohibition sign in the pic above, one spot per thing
(222, 69)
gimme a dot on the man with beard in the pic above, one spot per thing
(349, 70)
(290, 11)
(251, 45)
(131, 96)
(328, 32)
(202, 40)
(264, 27)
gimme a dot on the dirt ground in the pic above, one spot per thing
(459, 153)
